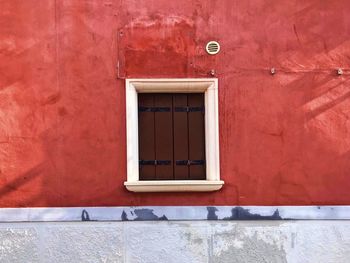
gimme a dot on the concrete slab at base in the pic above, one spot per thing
(180, 241)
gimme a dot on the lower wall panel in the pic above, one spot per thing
(181, 241)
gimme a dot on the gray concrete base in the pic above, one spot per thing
(176, 242)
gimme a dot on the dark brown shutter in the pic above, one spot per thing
(196, 136)
(171, 137)
(146, 137)
(164, 136)
(181, 172)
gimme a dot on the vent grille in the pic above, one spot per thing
(213, 47)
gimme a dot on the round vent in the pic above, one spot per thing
(213, 47)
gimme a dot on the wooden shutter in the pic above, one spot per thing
(181, 172)
(164, 136)
(146, 137)
(196, 151)
(171, 137)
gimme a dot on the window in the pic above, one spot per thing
(172, 135)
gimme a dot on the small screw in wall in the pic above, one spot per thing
(273, 71)
(340, 71)
(212, 72)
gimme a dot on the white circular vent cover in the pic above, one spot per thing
(212, 47)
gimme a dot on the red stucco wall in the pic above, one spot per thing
(285, 139)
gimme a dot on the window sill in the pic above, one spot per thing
(174, 186)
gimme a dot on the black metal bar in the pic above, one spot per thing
(154, 109)
(154, 162)
(189, 109)
(189, 162)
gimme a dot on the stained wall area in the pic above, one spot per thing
(284, 138)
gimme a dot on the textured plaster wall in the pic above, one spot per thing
(284, 139)
(174, 242)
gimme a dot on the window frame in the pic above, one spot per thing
(208, 86)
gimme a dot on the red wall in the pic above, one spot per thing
(284, 139)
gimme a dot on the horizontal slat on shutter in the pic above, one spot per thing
(155, 162)
(189, 109)
(154, 109)
(189, 162)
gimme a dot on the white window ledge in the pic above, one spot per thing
(174, 186)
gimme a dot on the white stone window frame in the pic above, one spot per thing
(208, 86)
